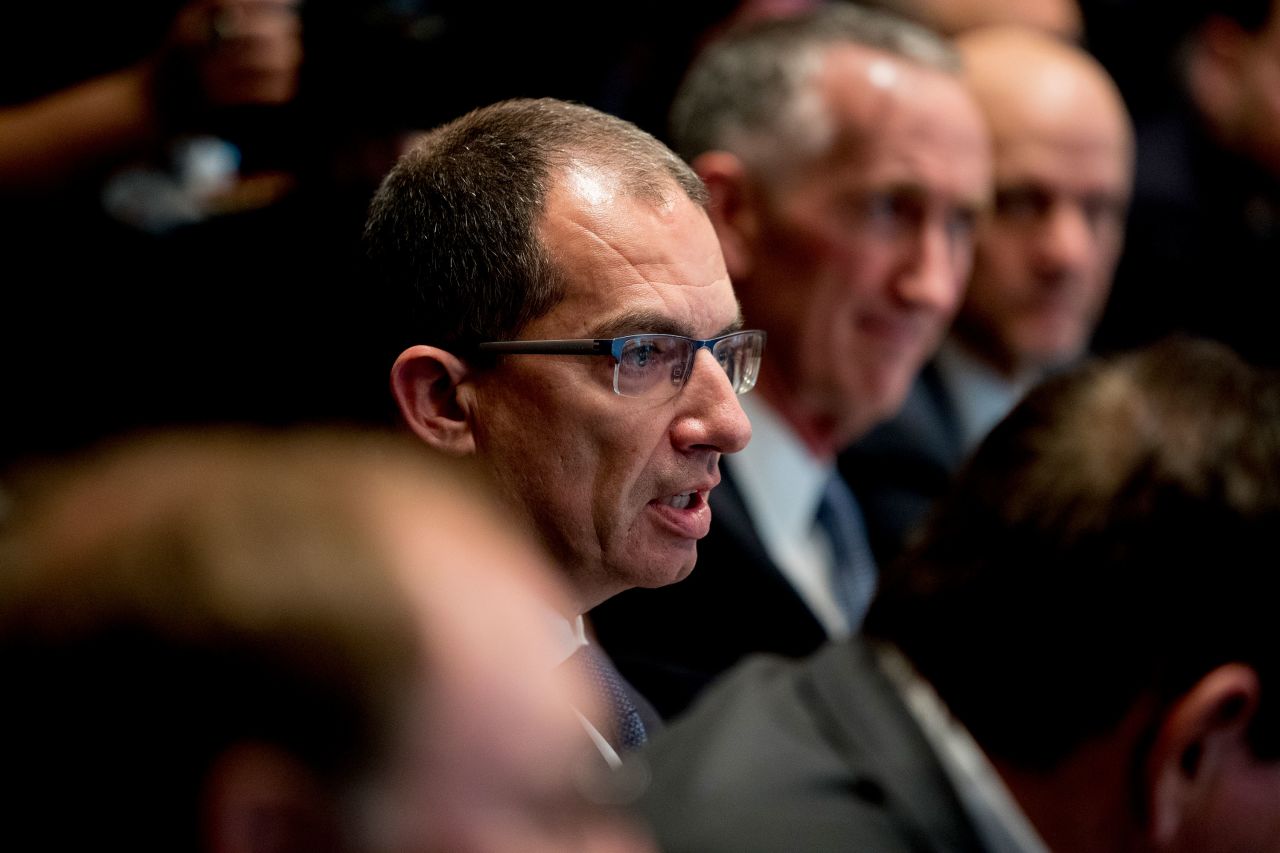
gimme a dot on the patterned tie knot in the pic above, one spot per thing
(625, 725)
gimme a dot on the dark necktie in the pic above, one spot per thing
(853, 566)
(625, 725)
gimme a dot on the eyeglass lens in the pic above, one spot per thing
(656, 364)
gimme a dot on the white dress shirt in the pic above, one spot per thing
(980, 394)
(996, 816)
(781, 484)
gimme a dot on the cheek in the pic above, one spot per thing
(615, 473)
(1002, 264)
(1110, 244)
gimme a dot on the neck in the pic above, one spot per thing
(1088, 802)
(977, 344)
(1018, 371)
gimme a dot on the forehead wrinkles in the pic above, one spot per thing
(621, 253)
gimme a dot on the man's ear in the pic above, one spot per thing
(1224, 42)
(1216, 64)
(1201, 739)
(427, 384)
(257, 798)
(732, 209)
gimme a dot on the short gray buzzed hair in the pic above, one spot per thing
(452, 235)
(748, 92)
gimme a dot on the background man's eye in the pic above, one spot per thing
(1022, 204)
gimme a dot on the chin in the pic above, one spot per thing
(1051, 357)
(666, 570)
(888, 395)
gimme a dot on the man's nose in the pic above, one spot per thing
(934, 269)
(1065, 240)
(708, 414)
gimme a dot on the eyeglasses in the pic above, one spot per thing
(654, 366)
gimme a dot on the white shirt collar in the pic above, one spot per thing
(781, 483)
(780, 480)
(996, 816)
(569, 635)
(980, 394)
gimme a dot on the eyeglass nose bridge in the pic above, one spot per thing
(694, 347)
(681, 379)
(680, 376)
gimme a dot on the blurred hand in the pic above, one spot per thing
(242, 51)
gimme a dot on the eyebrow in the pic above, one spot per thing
(644, 321)
(919, 192)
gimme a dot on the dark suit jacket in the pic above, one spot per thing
(900, 468)
(814, 756)
(673, 641)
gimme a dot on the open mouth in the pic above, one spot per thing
(683, 501)
(687, 514)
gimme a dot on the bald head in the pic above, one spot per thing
(1063, 171)
(1021, 76)
(952, 17)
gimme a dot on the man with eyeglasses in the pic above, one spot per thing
(846, 164)
(570, 322)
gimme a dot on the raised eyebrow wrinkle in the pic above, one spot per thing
(735, 326)
(641, 322)
(638, 323)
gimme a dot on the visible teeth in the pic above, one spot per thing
(680, 501)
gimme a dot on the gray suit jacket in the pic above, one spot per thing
(814, 756)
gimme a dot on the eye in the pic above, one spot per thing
(1022, 205)
(641, 354)
(651, 353)
(1103, 211)
(961, 223)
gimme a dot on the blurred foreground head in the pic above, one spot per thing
(1060, 18)
(1095, 602)
(314, 642)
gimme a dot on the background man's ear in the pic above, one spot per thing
(1217, 65)
(425, 381)
(732, 208)
(1202, 740)
(258, 799)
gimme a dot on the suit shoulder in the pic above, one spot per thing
(756, 766)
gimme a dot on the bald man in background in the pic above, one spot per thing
(952, 17)
(1043, 267)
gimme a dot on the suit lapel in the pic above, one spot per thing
(869, 726)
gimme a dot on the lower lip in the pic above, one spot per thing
(894, 334)
(693, 522)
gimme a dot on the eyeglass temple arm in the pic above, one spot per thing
(558, 347)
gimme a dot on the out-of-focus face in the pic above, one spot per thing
(616, 486)
(1063, 168)
(1257, 131)
(498, 759)
(859, 256)
(1240, 815)
(1060, 17)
